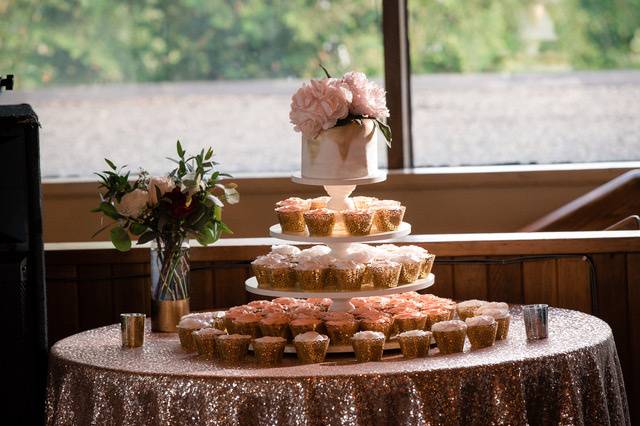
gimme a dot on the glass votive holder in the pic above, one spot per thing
(536, 321)
(132, 329)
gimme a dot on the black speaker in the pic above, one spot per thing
(22, 286)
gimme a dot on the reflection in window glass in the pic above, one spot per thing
(511, 81)
(126, 79)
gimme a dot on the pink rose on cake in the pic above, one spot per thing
(330, 102)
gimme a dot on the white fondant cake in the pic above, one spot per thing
(343, 152)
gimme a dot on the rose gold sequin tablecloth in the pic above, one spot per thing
(573, 377)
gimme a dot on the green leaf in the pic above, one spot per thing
(100, 230)
(209, 154)
(110, 163)
(146, 237)
(208, 235)
(181, 151)
(217, 213)
(137, 228)
(108, 210)
(225, 228)
(120, 239)
(386, 131)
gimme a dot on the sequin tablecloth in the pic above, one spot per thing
(573, 377)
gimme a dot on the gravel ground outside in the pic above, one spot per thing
(457, 120)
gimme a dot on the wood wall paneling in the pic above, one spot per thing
(62, 302)
(504, 283)
(574, 286)
(540, 282)
(470, 282)
(443, 285)
(633, 291)
(130, 288)
(95, 299)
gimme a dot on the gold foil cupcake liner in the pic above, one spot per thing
(299, 329)
(205, 346)
(408, 324)
(409, 272)
(433, 317)
(269, 354)
(384, 327)
(250, 329)
(281, 278)
(482, 336)
(386, 220)
(275, 330)
(233, 350)
(427, 265)
(312, 352)
(229, 325)
(503, 328)
(348, 279)
(186, 338)
(262, 276)
(291, 221)
(415, 346)
(367, 350)
(320, 226)
(311, 280)
(385, 276)
(450, 342)
(341, 335)
(358, 224)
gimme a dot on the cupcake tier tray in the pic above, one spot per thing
(340, 298)
(340, 349)
(366, 180)
(403, 230)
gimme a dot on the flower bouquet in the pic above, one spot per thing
(167, 211)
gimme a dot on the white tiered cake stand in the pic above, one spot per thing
(339, 190)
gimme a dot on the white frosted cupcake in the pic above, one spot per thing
(385, 273)
(294, 201)
(502, 317)
(414, 343)
(449, 336)
(261, 270)
(185, 327)
(320, 222)
(311, 347)
(481, 331)
(319, 202)
(269, 350)
(358, 221)
(388, 216)
(348, 275)
(281, 275)
(311, 274)
(361, 202)
(368, 345)
(411, 267)
(468, 308)
(285, 250)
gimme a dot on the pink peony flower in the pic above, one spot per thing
(319, 105)
(164, 184)
(133, 203)
(368, 98)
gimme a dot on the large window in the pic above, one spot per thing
(126, 79)
(537, 81)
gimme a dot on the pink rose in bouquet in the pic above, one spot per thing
(368, 98)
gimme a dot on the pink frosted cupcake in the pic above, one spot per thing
(322, 303)
(385, 273)
(340, 331)
(248, 324)
(320, 222)
(291, 218)
(409, 321)
(358, 222)
(436, 315)
(348, 274)
(303, 325)
(231, 314)
(468, 308)
(319, 202)
(368, 345)
(481, 331)
(311, 347)
(294, 201)
(449, 336)
(381, 323)
(275, 325)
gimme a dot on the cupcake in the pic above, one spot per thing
(323, 303)
(303, 325)
(320, 222)
(348, 275)
(311, 347)
(291, 218)
(281, 275)
(388, 218)
(427, 265)
(481, 331)
(311, 274)
(449, 336)
(502, 317)
(365, 255)
(363, 202)
(205, 341)
(248, 324)
(294, 201)
(285, 250)
(368, 345)
(185, 327)
(358, 222)
(414, 343)
(409, 320)
(269, 350)
(319, 202)
(340, 331)
(385, 273)
(381, 323)
(276, 325)
(436, 315)
(261, 271)
(231, 314)
(411, 267)
(233, 347)
(468, 308)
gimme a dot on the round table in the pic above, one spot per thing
(573, 377)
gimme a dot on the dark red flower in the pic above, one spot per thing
(179, 208)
